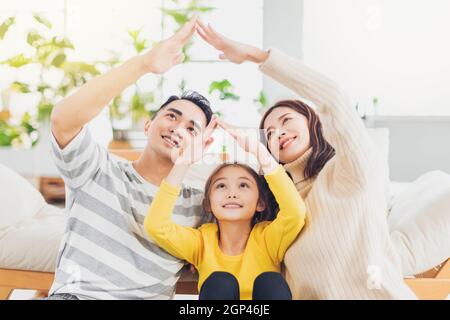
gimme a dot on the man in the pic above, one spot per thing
(105, 252)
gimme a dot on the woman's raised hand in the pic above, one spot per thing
(234, 51)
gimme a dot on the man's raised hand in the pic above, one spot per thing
(169, 52)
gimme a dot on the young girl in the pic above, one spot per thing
(238, 257)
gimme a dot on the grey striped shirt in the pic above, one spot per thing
(105, 252)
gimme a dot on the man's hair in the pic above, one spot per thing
(194, 97)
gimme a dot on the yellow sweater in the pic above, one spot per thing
(265, 248)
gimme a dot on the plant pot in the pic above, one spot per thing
(120, 140)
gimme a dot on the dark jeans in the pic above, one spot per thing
(224, 286)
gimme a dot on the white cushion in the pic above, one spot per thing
(419, 221)
(380, 137)
(33, 243)
(395, 190)
(18, 198)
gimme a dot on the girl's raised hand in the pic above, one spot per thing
(192, 148)
(248, 140)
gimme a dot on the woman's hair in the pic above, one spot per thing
(265, 195)
(322, 151)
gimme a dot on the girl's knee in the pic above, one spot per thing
(271, 286)
(220, 286)
(266, 278)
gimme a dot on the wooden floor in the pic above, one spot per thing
(11, 280)
(435, 288)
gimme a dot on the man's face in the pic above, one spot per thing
(177, 115)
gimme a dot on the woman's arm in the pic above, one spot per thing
(343, 128)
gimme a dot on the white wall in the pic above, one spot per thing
(416, 145)
(396, 50)
(282, 29)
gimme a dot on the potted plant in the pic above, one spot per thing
(50, 54)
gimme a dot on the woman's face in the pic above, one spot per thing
(234, 195)
(287, 134)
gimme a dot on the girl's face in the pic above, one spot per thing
(234, 195)
(287, 134)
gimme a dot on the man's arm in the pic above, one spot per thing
(72, 113)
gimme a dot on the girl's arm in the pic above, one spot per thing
(277, 235)
(182, 242)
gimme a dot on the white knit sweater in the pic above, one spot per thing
(344, 251)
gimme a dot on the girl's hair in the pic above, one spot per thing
(322, 151)
(265, 195)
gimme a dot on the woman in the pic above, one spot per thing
(345, 251)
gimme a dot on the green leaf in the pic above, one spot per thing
(262, 99)
(220, 86)
(140, 46)
(17, 61)
(229, 96)
(44, 110)
(179, 16)
(20, 87)
(137, 107)
(8, 133)
(4, 27)
(59, 60)
(42, 20)
(62, 43)
(185, 50)
(225, 88)
(134, 34)
(201, 9)
(114, 109)
(42, 87)
(34, 39)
